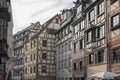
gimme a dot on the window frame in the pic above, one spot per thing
(44, 69)
(100, 7)
(44, 43)
(117, 25)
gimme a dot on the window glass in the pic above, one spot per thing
(115, 20)
(91, 15)
(101, 8)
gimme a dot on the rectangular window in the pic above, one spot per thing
(34, 56)
(75, 45)
(44, 56)
(44, 69)
(81, 65)
(89, 36)
(101, 8)
(70, 45)
(116, 55)
(44, 43)
(115, 20)
(69, 62)
(100, 56)
(91, 58)
(75, 67)
(1, 28)
(101, 32)
(82, 44)
(65, 47)
(34, 69)
(113, 1)
(79, 8)
(82, 24)
(91, 15)
(31, 57)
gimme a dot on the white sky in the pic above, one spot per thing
(26, 12)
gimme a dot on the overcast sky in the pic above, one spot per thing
(26, 12)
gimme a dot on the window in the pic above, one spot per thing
(115, 21)
(113, 1)
(25, 70)
(100, 56)
(44, 69)
(30, 69)
(75, 49)
(34, 56)
(34, 43)
(81, 65)
(25, 47)
(82, 24)
(31, 58)
(91, 58)
(101, 32)
(1, 28)
(34, 69)
(75, 67)
(31, 45)
(44, 43)
(62, 49)
(116, 55)
(70, 45)
(44, 56)
(101, 8)
(79, 8)
(89, 36)
(69, 62)
(25, 59)
(65, 63)
(82, 44)
(57, 20)
(61, 64)
(91, 15)
(65, 47)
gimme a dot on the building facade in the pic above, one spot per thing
(78, 41)
(40, 60)
(90, 39)
(64, 47)
(4, 19)
(113, 11)
(96, 38)
(18, 53)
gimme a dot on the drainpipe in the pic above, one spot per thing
(37, 73)
(107, 35)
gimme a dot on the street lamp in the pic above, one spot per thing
(3, 60)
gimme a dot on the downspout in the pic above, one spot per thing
(107, 35)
